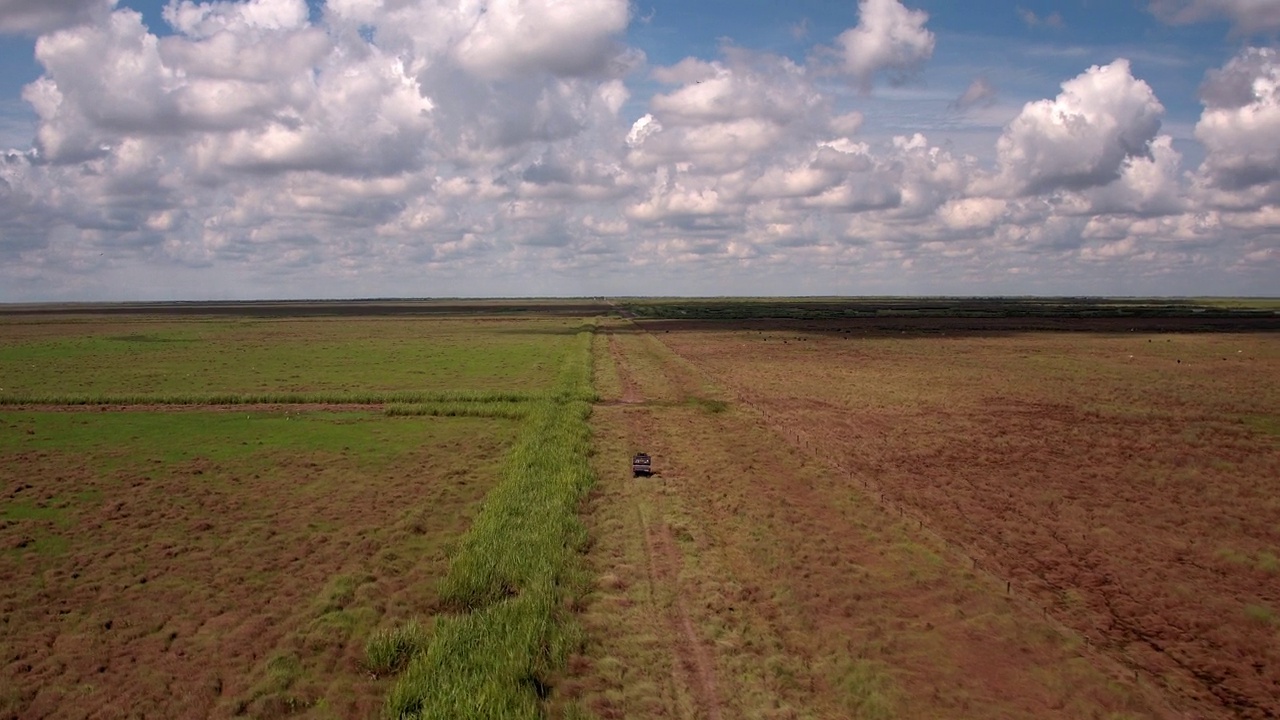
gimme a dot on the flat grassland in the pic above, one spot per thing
(191, 562)
(89, 357)
(1123, 486)
(213, 517)
(868, 508)
(750, 578)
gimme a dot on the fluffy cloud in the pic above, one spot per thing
(725, 114)
(1081, 138)
(1148, 185)
(115, 79)
(972, 214)
(1248, 16)
(497, 39)
(39, 16)
(206, 19)
(1241, 121)
(393, 146)
(770, 88)
(567, 38)
(889, 37)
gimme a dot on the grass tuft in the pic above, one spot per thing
(389, 650)
(1268, 562)
(1261, 614)
(868, 691)
(709, 406)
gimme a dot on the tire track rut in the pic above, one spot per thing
(694, 666)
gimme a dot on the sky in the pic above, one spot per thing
(254, 149)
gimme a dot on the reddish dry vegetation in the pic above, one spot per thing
(201, 588)
(1128, 483)
(747, 579)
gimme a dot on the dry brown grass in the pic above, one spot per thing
(803, 597)
(1126, 483)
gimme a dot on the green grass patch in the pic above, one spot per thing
(868, 690)
(389, 650)
(1265, 424)
(508, 410)
(1265, 561)
(1268, 562)
(1261, 614)
(27, 511)
(709, 406)
(527, 527)
(143, 357)
(254, 440)
(283, 670)
(43, 544)
(1234, 557)
(273, 398)
(339, 594)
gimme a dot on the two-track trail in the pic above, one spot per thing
(651, 659)
(749, 579)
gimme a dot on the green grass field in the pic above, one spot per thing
(316, 475)
(325, 358)
(263, 548)
(382, 516)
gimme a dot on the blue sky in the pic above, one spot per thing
(266, 148)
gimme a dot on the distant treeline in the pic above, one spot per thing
(1057, 308)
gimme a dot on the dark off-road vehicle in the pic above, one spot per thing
(641, 464)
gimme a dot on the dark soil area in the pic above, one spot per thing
(939, 326)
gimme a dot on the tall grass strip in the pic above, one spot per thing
(269, 398)
(507, 410)
(574, 382)
(511, 580)
(514, 575)
(528, 526)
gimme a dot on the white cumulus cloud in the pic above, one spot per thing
(205, 19)
(889, 37)
(379, 147)
(569, 38)
(1240, 125)
(1081, 138)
